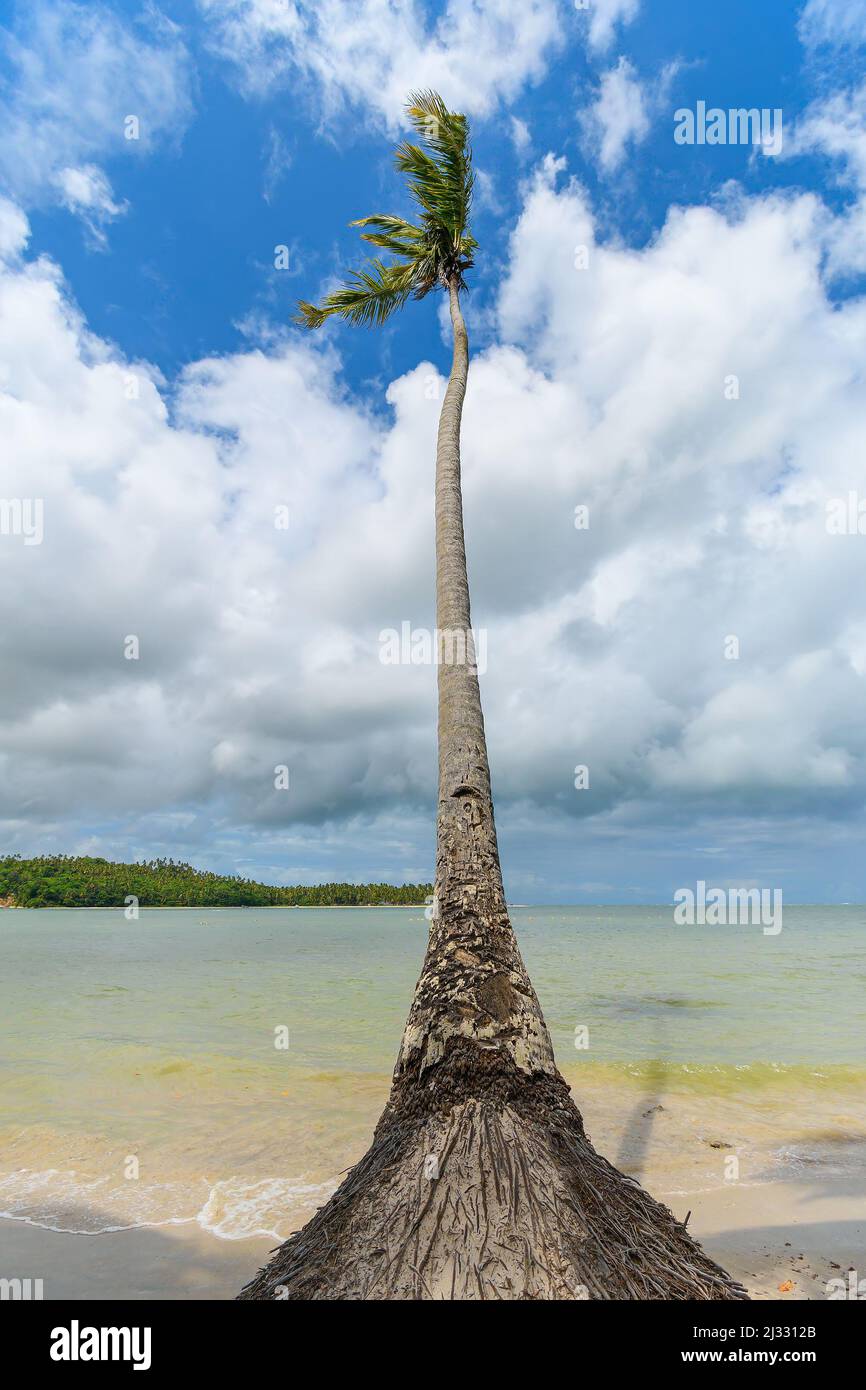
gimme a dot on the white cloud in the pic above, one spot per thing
(603, 386)
(277, 163)
(86, 191)
(835, 126)
(75, 74)
(486, 198)
(618, 117)
(604, 16)
(836, 22)
(14, 230)
(521, 136)
(478, 53)
(718, 505)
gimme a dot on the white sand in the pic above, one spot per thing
(772, 1234)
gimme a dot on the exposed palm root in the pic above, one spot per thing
(522, 1207)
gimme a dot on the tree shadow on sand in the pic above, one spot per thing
(637, 1131)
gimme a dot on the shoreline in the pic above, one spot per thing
(186, 1099)
(319, 907)
(766, 1235)
(216, 907)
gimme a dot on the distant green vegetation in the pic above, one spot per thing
(64, 881)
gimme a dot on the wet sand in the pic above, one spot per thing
(766, 1235)
(148, 1263)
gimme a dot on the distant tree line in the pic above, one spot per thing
(61, 880)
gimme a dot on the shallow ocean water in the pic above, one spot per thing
(140, 1082)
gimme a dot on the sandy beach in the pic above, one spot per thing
(766, 1236)
(773, 1236)
(149, 1263)
(156, 1144)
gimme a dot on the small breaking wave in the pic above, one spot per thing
(237, 1210)
(233, 1208)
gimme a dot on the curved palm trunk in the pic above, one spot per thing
(480, 1182)
(474, 984)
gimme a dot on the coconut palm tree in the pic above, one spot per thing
(480, 1181)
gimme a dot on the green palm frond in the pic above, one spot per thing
(434, 253)
(391, 233)
(369, 297)
(446, 137)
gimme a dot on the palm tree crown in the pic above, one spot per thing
(435, 253)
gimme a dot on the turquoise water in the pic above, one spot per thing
(156, 1039)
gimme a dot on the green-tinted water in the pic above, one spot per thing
(140, 1080)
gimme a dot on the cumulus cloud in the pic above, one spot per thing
(700, 646)
(835, 127)
(698, 440)
(76, 73)
(618, 117)
(372, 53)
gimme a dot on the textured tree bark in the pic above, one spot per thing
(480, 1182)
(474, 984)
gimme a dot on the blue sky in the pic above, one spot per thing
(160, 405)
(193, 256)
